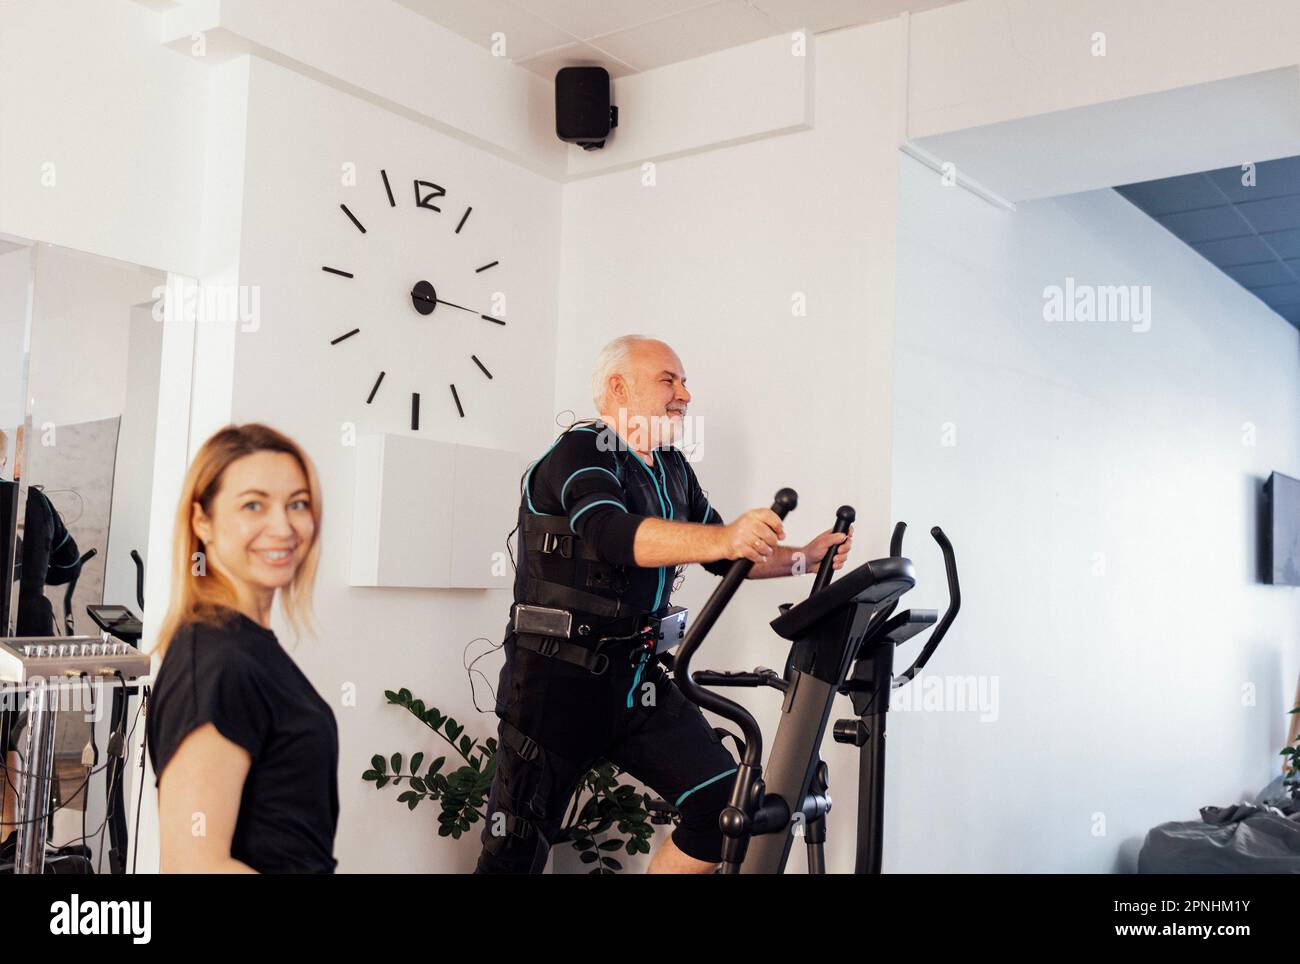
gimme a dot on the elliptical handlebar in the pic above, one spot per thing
(844, 517)
(896, 540)
(139, 579)
(954, 600)
(785, 501)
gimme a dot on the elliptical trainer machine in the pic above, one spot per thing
(842, 641)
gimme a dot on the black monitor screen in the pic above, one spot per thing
(1284, 529)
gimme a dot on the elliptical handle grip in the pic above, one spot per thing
(139, 579)
(954, 605)
(844, 517)
(896, 540)
(785, 501)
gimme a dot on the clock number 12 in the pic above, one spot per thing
(426, 201)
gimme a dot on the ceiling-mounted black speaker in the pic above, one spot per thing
(583, 113)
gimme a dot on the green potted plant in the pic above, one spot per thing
(605, 817)
(1291, 754)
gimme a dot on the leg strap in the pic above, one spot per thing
(519, 741)
(518, 827)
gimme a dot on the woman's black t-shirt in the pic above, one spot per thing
(237, 677)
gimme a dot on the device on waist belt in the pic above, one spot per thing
(666, 630)
(541, 621)
(669, 629)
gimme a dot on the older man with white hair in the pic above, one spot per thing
(607, 515)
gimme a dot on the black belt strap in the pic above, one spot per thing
(593, 662)
(544, 593)
(518, 827)
(519, 741)
(565, 543)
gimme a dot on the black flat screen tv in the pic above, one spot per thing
(1282, 530)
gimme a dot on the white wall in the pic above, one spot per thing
(392, 57)
(133, 475)
(81, 316)
(1101, 495)
(101, 132)
(984, 61)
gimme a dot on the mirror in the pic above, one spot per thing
(80, 360)
(83, 439)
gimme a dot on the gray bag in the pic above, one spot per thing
(1262, 837)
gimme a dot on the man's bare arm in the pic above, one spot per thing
(784, 561)
(753, 536)
(659, 542)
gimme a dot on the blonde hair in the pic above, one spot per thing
(210, 598)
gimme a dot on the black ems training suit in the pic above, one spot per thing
(49, 557)
(566, 702)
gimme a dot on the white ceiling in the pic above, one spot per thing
(628, 36)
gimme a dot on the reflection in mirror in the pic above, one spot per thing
(80, 355)
(92, 397)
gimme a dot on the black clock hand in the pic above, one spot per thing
(439, 301)
(452, 305)
(418, 294)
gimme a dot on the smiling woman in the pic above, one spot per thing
(246, 751)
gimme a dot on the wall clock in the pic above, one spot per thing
(428, 290)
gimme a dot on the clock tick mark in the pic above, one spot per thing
(345, 274)
(495, 321)
(490, 264)
(387, 188)
(340, 338)
(415, 411)
(463, 218)
(371, 397)
(480, 366)
(353, 218)
(456, 399)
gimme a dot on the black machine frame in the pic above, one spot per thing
(843, 638)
